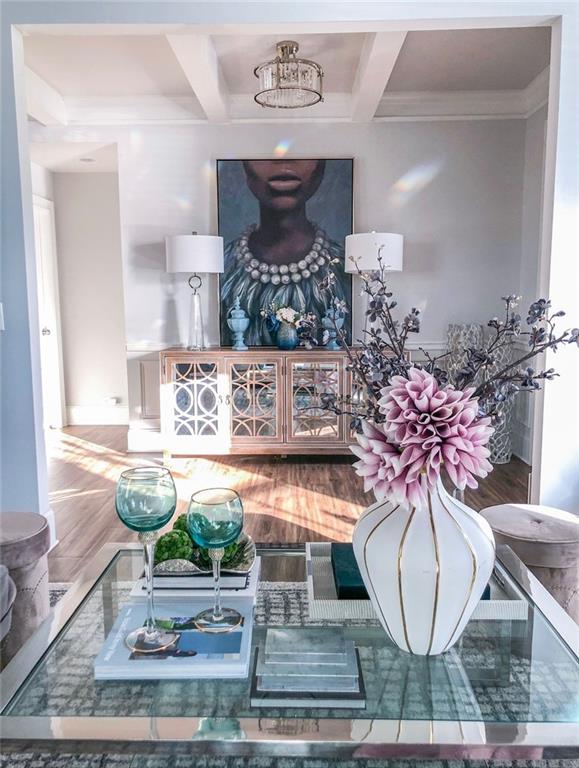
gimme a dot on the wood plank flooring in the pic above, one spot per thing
(298, 499)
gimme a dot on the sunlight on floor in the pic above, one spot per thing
(273, 492)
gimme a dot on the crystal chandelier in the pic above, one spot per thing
(288, 82)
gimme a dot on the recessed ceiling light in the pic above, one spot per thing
(87, 159)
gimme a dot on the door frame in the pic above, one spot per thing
(45, 203)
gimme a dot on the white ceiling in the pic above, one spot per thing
(109, 77)
(106, 66)
(75, 157)
(471, 60)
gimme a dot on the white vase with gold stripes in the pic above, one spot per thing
(425, 568)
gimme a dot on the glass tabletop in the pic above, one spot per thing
(502, 671)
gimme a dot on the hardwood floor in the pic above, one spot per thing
(298, 499)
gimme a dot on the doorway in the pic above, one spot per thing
(51, 364)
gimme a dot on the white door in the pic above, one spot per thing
(49, 314)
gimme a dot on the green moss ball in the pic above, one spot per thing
(174, 545)
(180, 524)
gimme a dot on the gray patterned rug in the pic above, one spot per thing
(31, 760)
(279, 606)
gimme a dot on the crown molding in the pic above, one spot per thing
(336, 108)
(139, 110)
(536, 94)
(471, 104)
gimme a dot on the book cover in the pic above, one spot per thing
(194, 655)
(347, 576)
(202, 585)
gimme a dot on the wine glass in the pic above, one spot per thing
(145, 501)
(215, 520)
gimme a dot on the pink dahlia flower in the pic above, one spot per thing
(426, 427)
(375, 454)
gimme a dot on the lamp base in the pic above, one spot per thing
(196, 329)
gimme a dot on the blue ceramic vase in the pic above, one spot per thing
(238, 323)
(287, 336)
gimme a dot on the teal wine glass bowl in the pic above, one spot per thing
(145, 501)
(146, 498)
(215, 520)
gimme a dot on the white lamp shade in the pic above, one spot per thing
(362, 251)
(194, 253)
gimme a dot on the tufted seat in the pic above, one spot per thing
(547, 541)
(24, 543)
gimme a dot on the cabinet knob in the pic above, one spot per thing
(227, 399)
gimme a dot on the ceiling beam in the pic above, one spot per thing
(43, 102)
(198, 59)
(377, 61)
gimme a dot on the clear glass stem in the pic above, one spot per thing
(216, 556)
(148, 539)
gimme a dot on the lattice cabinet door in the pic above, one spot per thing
(255, 399)
(195, 415)
(308, 381)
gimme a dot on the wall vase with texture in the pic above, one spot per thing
(425, 568)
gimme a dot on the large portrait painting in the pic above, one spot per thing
(282, 222)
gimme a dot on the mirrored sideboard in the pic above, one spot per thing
(265, 400)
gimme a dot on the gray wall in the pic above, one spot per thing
(453, 188)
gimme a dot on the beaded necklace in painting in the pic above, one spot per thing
(283, 274)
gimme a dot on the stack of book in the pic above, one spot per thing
(194, 654)
(307, 667)
(243, 584)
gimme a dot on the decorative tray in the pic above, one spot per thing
(506, 602)
(240, 565)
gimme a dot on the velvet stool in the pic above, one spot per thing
(24, 544)
(547, 541)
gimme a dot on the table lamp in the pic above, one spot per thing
(194, 253)
(363, 249)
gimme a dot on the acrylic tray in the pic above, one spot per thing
(506, 603)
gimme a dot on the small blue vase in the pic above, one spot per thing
(287, 336)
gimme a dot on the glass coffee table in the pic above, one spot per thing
(509, 690)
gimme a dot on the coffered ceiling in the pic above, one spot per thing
(118, 76)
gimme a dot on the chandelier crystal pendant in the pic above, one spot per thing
(288, 82)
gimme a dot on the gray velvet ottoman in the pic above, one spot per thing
(547, 541)
(24, 543)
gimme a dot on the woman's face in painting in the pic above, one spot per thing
(283, 185)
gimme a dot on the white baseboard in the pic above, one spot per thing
(97, 414)
(144, 441)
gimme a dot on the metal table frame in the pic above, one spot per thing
(310, 737)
